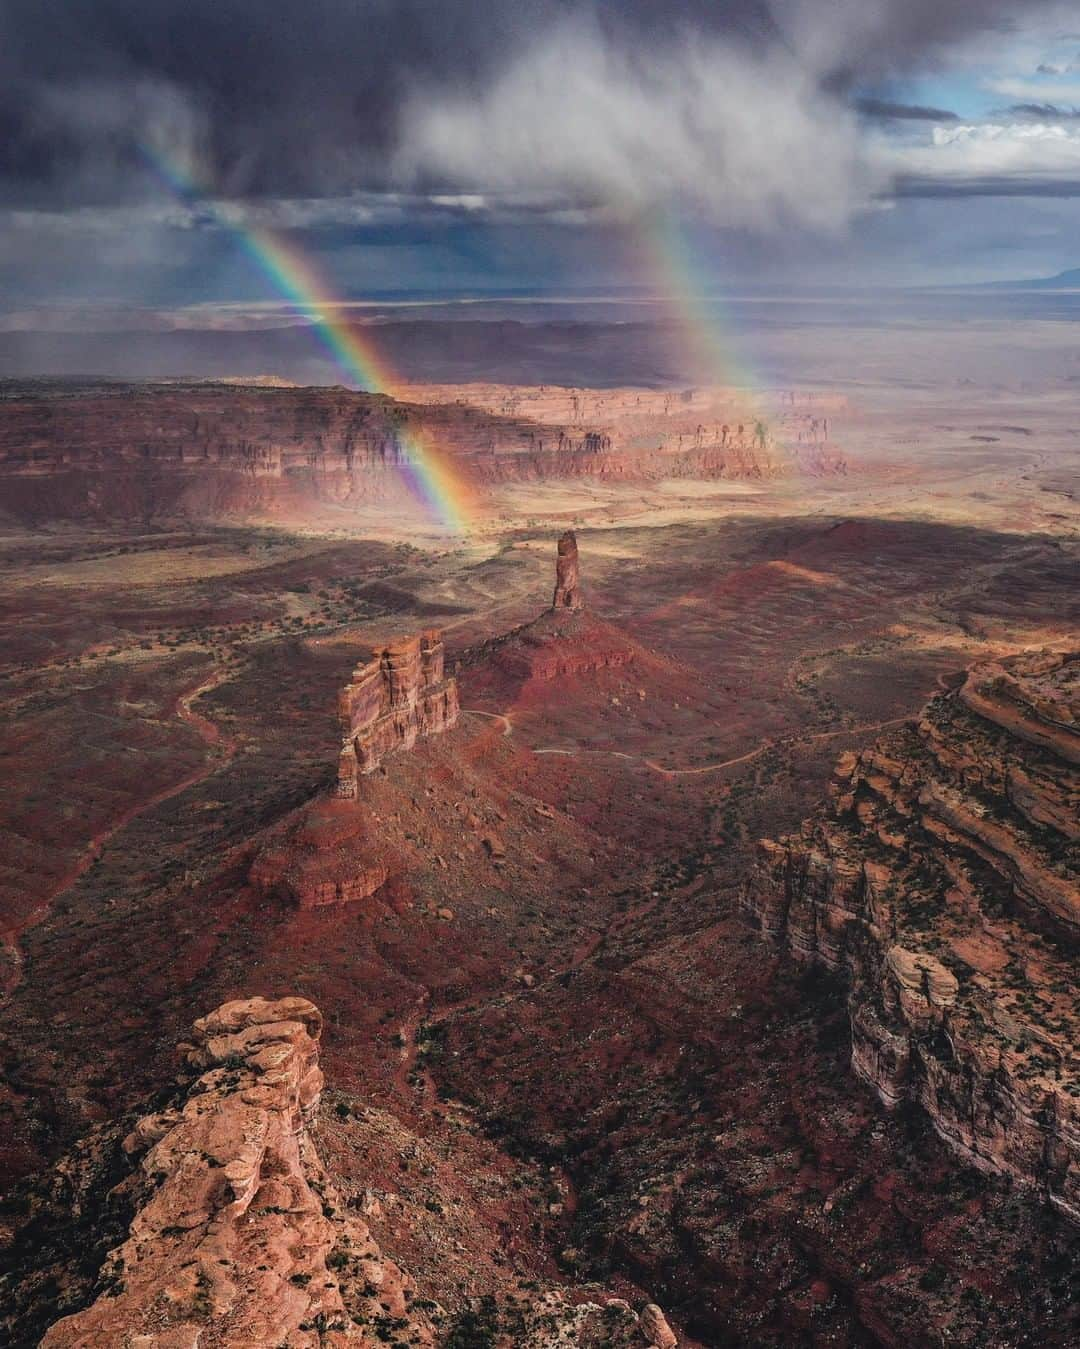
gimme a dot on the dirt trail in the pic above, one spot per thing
(211, 736)
(503, 717)
(741, 758)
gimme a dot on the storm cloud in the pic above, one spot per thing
(722, 104)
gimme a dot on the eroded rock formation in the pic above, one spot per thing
(230, 1230)
(399, 695)
(564, 640)
(945, 880)
(251, 451)
(333, 854)
(238, 1235)
(567, 578)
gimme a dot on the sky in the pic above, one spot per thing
(453, 147)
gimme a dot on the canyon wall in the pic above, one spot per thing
(944, 879)
(203, 450)
(403, 693)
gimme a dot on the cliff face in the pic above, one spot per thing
(228, 450)
(945, 880)
(238, 1235)
(390, 702)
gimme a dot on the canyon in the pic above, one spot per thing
(567, 1083)
(945, 883)
(263, 451)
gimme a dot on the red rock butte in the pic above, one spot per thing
(392, 700)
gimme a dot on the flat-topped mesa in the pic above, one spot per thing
(944, 883)
(567, 576)
(403, 693)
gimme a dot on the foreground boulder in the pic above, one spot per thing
(214, 1224)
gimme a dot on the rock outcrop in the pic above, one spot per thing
(564, 640)
(945, 880)
(567, 578)
(238, 1236)
(230, 1231)
(392, 700)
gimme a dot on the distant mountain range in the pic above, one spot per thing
(1068, 280)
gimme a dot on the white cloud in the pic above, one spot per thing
(1036, 91)
(748, 136)
(991, 154)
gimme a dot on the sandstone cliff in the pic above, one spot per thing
(229, 450)
(945, 880)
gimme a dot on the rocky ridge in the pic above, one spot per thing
(237, 1235)
(944, 879)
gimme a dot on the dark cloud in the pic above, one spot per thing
(883, 110)
(1043, 112)
(986, 185)
(290, 99)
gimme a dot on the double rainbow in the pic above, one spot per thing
(430, 472)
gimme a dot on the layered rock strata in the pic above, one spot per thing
(228, 450)
(392, 700)
(238, 1236)
(945, 880)
(333, 854)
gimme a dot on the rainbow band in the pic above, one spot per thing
(683, 282)
(431, 473)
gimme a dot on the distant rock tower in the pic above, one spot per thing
(567, 579)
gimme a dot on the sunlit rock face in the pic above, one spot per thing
(238, 1233)
(400, 695)
(944, 880)
(234, 1230)
(214, 451)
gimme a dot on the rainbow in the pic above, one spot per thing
(682, 283)
(431, 473)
